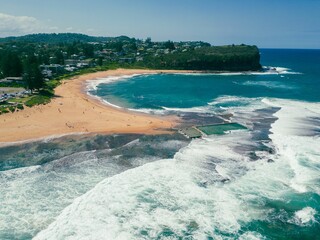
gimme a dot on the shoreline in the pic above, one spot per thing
(74, 111)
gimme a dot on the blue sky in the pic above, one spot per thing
(268, 24)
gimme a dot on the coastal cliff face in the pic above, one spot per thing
(214, 58)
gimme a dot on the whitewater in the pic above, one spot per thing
(208, 189)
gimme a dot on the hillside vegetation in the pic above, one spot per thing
(220, 58)
(53, 38)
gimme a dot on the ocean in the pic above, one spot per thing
(258, 183)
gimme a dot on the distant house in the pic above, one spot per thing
(87, 63)
(15, 79)
(54, 68)
(46, 73)
(126, 60)
(107, 52)
(160, 51)
(82, 65)
(71, 62)
(79, 63)
(74, 56)
(70, 69)
(150, 50)
(12, 79)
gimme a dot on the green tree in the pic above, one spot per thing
(118, 46)
(32, 74)
(59, 57)
(148, 40)
(72, 49)
(44, 58)
(133, 47)
(169, 45)
(11, 65)
(100, 61)
(88, 50)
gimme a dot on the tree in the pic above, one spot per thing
(148, 40)
(59, 57)
(32, 75)
(169, 45)
(133, 47)
(100, 61)
(11, 65)
(72, 49)
(44, 58)
(88, 50)
(118, 46)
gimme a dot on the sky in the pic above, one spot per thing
(267, 24)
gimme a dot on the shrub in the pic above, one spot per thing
(20, 106)
(3, 111)
(37, 100)
(52, 84)
(12, 108)
(46, 92)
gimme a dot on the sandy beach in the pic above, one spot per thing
(74, 111)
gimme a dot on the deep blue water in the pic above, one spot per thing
(260, 183)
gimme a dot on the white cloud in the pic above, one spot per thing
(19, 25)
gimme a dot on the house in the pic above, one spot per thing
(126, 60)
(46, 73)
(71, 62)
(12, 79)
(54, 68)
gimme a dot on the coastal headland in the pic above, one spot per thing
(73, 111)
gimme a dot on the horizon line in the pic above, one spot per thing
(284, 48)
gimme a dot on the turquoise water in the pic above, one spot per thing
(262, 183)
(185, 91)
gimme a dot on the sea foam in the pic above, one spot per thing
(297, 141)
(304, 216)
(266, 70)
